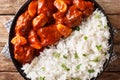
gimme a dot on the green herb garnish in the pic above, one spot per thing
(56, 55)
(105, 53)
(42, 78)
(105, 26)
(77, 28)
(78, 66)
(96, 59)
(99, 47)
(97, 16)
(84, 55)
(75, 79)
(65, 57)
(99, 25)
(65, 67)
(43, 68)
(85, 37)
(76, 56)
(91, 70)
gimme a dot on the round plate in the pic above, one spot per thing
(12, 33)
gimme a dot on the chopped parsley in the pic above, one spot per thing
(56, 55)
(65, 67)
(78, 66)
(96, 59)
(105, 53)
(65, 57)
(75, 79)
(99, 47)
(43, 68)
(42, 78)
(76, 56)
(85, 37)
(77, 28)
(84, 55)
(97, 16)
(105, 26)
(99, 26)
(91, 70)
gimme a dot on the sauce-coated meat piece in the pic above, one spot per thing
(73, 17)
(18, 49)
(33, 40)
(60, 5)
(64, 30)
(89, 9)
(41, 6)
(68, 2)
(50, 5)
(39, 21)
(23, 24)
(24, 54)
(46, 7)
(32, 8)
(80, 4)
(29, 54)
(49, 35)
(59, 17)
(86, 7)
(19, 40)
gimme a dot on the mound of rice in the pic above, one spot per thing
(78, 57)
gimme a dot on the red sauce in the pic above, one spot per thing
(44, 22)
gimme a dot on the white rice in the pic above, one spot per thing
(84, 53)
